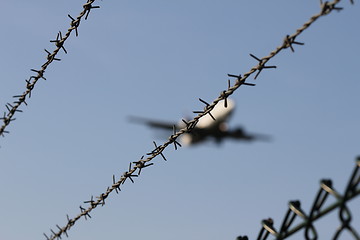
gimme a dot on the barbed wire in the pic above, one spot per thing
(288, 42)
(59, 42)
(317, 211)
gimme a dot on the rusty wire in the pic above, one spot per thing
(318, 210)
(30, 83)
(288, 42)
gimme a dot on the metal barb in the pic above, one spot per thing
(59, 42)
(188, 128)
(102, 198)
(47, 238)
(204, 102)
(92, 202)
(61, 230)
(39, 72)
(116, 185)
(129, 175)
(261, 65)
(71, 222)
(289, 41)
(239, 80)
(53, 232)
(87, 7)
(206, 109)
(75, 24)
(141, 164)
(50, 57)
(83, 210)
(327, 7)
(225, 96)
(158, 151)
(173, 138)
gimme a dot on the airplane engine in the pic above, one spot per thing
(186, 139)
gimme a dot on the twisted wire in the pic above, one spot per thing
(8, 116)
(288, 42)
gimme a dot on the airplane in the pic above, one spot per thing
(207, 127)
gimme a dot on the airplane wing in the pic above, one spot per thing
(239, 133)
(153, 123)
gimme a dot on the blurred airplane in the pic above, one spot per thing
(207, 127)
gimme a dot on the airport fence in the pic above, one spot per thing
(321, 206)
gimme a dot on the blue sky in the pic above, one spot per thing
(155, 59)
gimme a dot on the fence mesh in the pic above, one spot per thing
(320, 207)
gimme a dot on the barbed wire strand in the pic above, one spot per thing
(288, 42)
(8, 116)
(317, 211)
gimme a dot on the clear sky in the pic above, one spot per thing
(155, 59)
